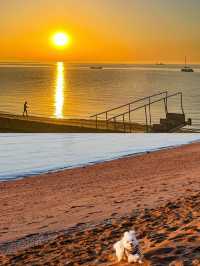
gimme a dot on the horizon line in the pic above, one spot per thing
(159, 63)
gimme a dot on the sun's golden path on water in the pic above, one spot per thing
(59, 92)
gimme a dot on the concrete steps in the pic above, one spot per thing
(171, 122)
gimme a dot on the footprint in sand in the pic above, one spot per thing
(118, 201)
(81, 206)
(49, 216)
(32, 223)
(95, 212)
(42, 227)
(113, 214)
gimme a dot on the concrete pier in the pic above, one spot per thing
(12, 123)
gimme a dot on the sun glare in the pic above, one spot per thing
(61, 39)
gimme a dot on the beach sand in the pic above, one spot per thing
(73, 217)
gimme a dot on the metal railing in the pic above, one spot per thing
(147, 110)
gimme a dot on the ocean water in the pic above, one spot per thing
(76, 91)
(30, 154)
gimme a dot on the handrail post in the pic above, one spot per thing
(164, 99)
(147, 128)
(150, 111)
(129, 112)
(107, 120)
(182, 102)
(96, 122)
(124, 123)
(115, 126)
(130, 127)
(166, 103)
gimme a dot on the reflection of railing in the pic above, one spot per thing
(163, 96)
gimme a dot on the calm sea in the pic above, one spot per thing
(30, 154)
(67, 90)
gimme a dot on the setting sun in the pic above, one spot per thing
(61, 39)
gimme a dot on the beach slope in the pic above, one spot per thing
(75, 216)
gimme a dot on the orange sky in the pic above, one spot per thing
(101, 30)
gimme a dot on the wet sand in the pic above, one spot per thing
(81, 212)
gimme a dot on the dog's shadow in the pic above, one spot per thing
(128, 264)
(113, 262)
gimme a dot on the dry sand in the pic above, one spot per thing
(170, 235)
(157, 193)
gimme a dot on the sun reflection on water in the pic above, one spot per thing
(59, 93)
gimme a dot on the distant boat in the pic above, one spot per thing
(96, 67)
(160, 64)
(186, 68)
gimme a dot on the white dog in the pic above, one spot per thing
(128, 248)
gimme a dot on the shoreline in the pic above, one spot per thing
(83, 165)
(87, 195)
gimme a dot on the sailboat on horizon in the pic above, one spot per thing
(186, 68)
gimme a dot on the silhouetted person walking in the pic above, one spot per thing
(25, 113)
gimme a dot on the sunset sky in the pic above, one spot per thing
(145, 31)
